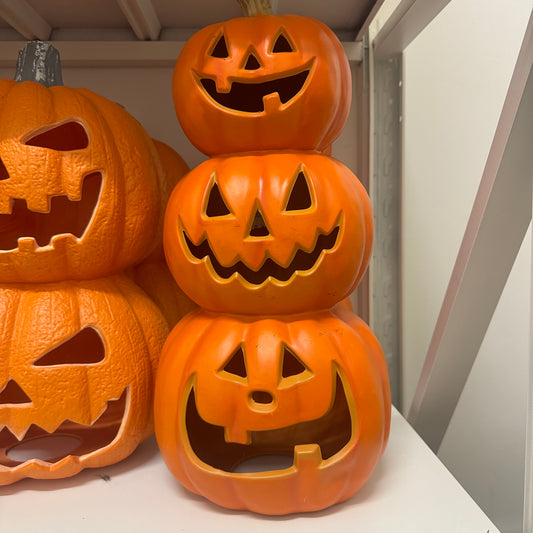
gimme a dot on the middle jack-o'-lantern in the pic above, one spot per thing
(308, 389)
(262, 83)
(77, 370)
(79, 185)
(268, 233)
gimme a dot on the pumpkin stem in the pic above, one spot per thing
(39, 61)
(256, 7)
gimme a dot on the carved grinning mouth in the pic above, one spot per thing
(248, 96)
(326, 436)
(65, 216)
(302, 260)
(89, 438)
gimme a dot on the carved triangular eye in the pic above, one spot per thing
(300, 197)
(282, 44)
(63, 138)
(220, 49)
(3, 171)
(216, 206)
(12, 393)
(291, 366)
(235, 364)
(85, 348)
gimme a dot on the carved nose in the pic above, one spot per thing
(259, 227)
(252, 63)
(261, 397)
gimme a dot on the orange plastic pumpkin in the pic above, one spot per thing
(308, 387)
(78, 365)
(268, 233)
(262, 83)
(173, 168)
(79, 185)
(152, 274)
(157, 282)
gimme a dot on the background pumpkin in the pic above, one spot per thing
(152, 274)
(78, 360)
(250, 83)
(230, 388)
(157, 282)
(79, 185)
(268, 233)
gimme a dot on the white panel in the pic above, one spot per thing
(484, 446)
(454, 92)
(457, 74)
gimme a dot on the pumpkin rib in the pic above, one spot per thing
(112, 152)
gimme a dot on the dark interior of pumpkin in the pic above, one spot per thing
(70, 438)
(64, 215)
(269, 450)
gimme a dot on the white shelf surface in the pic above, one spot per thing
(410, 491)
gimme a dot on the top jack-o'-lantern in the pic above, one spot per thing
(262, 82)
(79, 184)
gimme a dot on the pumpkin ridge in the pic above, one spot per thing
(112, 153)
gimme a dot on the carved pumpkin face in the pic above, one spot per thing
(230, 390)
(250, 83)
(273, 233)
(80, 373)
(79, 185)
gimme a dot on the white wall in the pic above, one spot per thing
(456, 74)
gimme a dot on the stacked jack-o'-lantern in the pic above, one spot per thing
(80, 201)
(268, 236)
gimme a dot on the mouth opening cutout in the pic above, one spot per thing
(65, 216)
(69, 439)
(270, 450)
(302, 261)
(248, 96)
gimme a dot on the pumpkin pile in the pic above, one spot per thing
(81, 194)
(273, 396)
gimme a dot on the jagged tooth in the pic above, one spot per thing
(271, 102)
(18, 432)
(50, 427)
(238, 435)
(60, 237)
(223, 84)
(6, 205)
(27, 244)
(307, 456)
(39, 205)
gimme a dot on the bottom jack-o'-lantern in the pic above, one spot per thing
(77, 369)
(232, 391)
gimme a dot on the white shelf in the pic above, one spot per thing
(410, 491)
